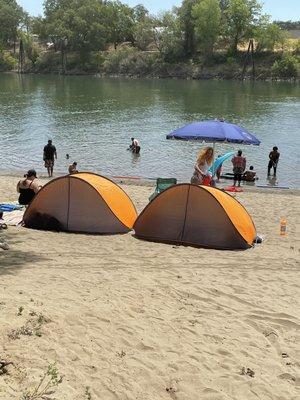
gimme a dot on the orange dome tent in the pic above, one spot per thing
(83, 202)
(196, 215)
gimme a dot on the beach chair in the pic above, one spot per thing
(161, 185)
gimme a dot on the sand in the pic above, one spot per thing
(128, 319)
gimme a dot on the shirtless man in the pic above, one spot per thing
(273, 160)
(48, 157)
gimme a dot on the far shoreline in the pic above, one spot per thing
(204, 77)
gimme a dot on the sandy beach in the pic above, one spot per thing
(133, 320)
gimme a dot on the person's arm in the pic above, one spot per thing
(197, 167)
(35, 186)
(18, 187)
(55, 153)
(244, 164)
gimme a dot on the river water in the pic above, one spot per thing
(93, 118)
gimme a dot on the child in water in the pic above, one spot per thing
(250, 175)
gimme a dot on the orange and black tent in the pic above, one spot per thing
(83, 202)
(196, 215)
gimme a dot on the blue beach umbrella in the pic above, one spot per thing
(214, 131)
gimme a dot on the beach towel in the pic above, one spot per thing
(10, 207)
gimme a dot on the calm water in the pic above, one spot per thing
(93, 119)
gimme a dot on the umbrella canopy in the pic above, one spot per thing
(214, 131)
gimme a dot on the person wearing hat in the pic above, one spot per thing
(28, 187)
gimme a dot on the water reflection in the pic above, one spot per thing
(272, 181)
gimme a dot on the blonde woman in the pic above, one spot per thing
(202, 166)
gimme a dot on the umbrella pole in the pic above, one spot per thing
(214, 149)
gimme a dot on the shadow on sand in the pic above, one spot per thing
(12, 260)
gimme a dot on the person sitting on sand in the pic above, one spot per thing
(250, 175)
(73, 168)
(239, 165)
(204, 161)
(28, 187)
(135, 146)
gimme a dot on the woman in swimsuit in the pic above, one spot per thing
(202, 165)
(28, 187)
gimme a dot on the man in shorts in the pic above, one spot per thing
(48, 157)
(273, 160)
(239, 166)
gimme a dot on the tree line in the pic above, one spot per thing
(196, 28)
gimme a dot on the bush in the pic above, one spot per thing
(7, 62)
(114, 59)
(129, 61)
(48, 62)
(296, 49)
(287, 67)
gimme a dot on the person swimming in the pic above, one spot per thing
(135, 146)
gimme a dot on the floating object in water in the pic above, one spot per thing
(230, 175)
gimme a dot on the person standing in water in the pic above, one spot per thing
(239, 166)
(204, 161)
(273, 160)
(48, 157)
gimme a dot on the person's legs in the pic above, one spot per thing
(235, 178)
(270, 165)
(275, 168)
(239, 179)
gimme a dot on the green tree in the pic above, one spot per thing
(168, 37)
(38, 26)
(207, 20)
(144, 31)
(11, 16)
(31, 49)
(268, 36)
(120, 22)
(187, 26)
(242, 16)
(140, 13)
(80, 24)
